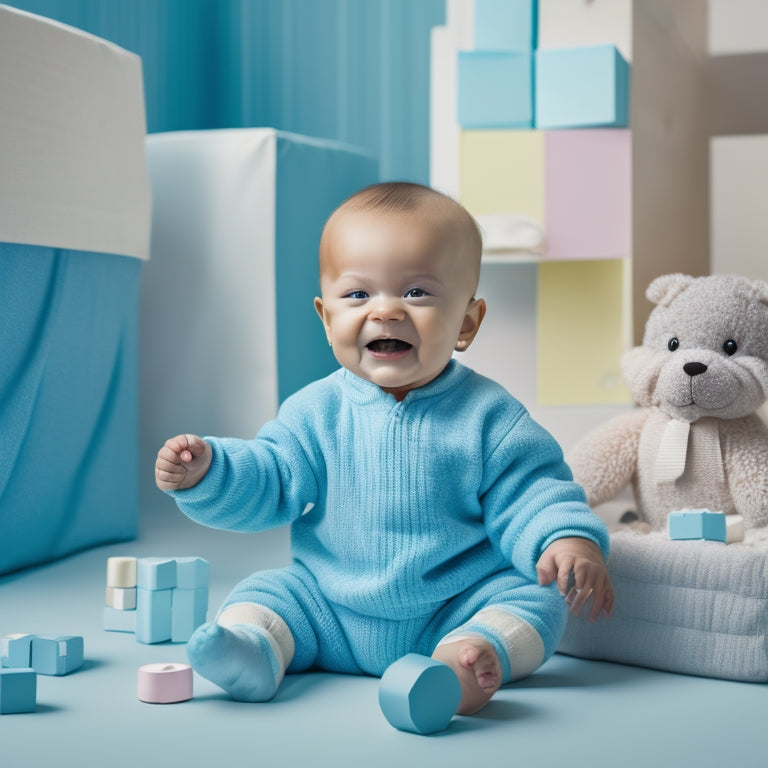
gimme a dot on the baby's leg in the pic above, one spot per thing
(494, 647)
(245, 651)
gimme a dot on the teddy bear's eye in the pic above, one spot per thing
(730, 347)
(673, 344)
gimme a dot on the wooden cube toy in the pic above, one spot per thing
(121, 572)
(189, 608)
(57, 654)
(153, 615)
(505, 25)
(192, 572)
(156, 573)
(18, 691)
(16, 651)
(697, 524)
(419, 694)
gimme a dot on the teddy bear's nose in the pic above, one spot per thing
(694, 369)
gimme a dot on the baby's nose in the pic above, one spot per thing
(385, 308)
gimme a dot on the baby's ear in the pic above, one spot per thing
(663, 290)
(471, 325)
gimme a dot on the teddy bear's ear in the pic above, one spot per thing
(760, 291)
(663, 290)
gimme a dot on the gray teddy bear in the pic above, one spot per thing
(694, 441)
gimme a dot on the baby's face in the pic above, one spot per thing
(397, 295)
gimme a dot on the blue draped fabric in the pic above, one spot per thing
(352, 70)
(68, 401)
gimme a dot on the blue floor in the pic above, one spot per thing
(572, 712)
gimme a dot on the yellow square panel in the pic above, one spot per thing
(503, 172)
(582, 314)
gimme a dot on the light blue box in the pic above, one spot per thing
(192, 572)
(189, 611)
(18, 691)
(582, 88)
(156, 573)
(495, 89)
(506, 25)
(153, 615)
(115, 620)
(16, 651)
(57, 654)
(697, 524)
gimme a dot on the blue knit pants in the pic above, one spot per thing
(336, 639)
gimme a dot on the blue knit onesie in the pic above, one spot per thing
(407, 518)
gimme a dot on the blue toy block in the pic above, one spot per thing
(495, 89)
(192, 572)
(697, 524)
(116, 620)
(582, 88)
(156, 573)
(57, 654)
(189, 611)
(506, 25)
(153, 615)
(419, 694)
(18, 691)
(16, 651)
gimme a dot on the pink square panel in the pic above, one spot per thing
(588, 193)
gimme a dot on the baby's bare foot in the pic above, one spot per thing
(477, 666)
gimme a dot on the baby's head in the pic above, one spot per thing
(399, 267)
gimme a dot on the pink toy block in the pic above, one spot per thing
(18, 691)
(165, 683)
(57, 654)
(587, 194)
(16, 651)
(419, 694)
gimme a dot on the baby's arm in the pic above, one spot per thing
(182, 462)
(585, 559)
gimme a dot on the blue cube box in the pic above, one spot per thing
(156, 573)
(189, 611)
(697, 524)
(192, 572)
(16, 651)
(153, 615)
(18, 691)
(495, 89)
(582, 88)
(57, 654)
(506, 25)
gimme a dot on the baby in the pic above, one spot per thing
(429, 513)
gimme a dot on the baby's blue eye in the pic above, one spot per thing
(357, 295)
(415, 293)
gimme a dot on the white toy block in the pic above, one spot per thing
(164, 683)
(121, 572)
(153, 615)
(188, 611)
(18, 691)
(16, 651)
(156, 573)
(121, 599)
(419, 694)
(734, 529)
(114, 620)
(57, 654)
(192, 572)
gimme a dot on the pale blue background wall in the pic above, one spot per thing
(353, 70)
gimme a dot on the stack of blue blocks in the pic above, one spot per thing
(507, 83)
(171, 600)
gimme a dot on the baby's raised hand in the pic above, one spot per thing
(182, 462)
(584, 560)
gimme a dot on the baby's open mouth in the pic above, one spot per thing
(388, 346)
